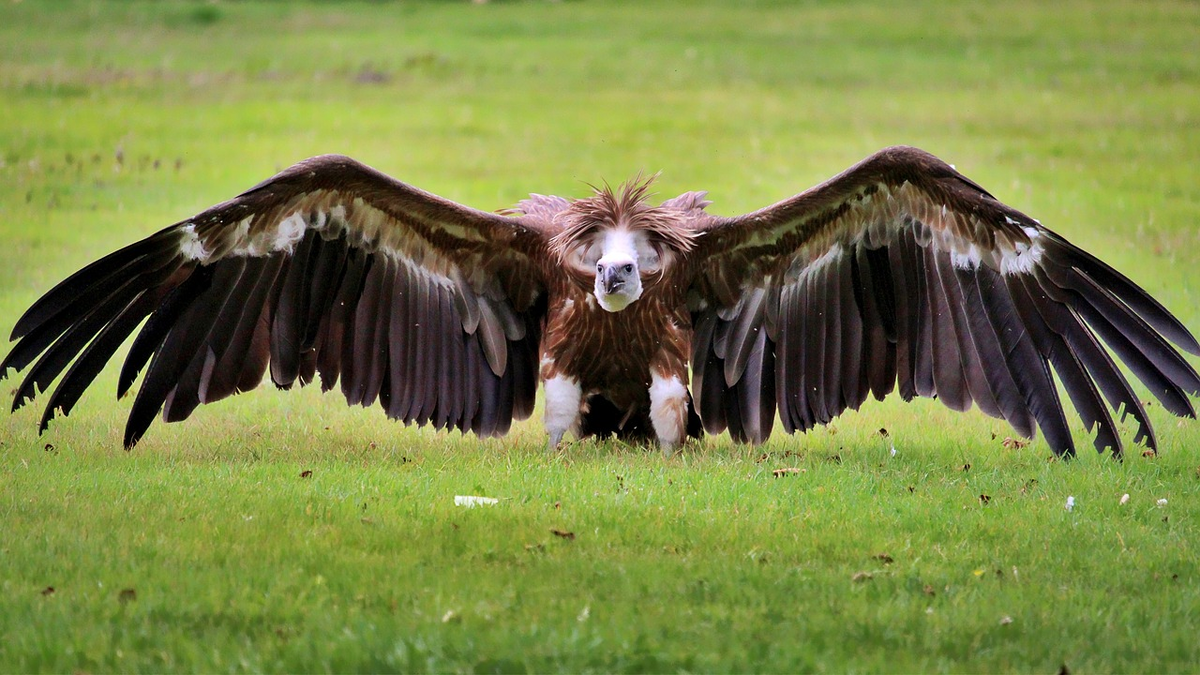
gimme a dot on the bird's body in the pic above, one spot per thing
(642, 327)
(652, 341)
(647, 321)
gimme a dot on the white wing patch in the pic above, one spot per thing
(968, 260)
(283, 237)
(884, 216)
(1021, 260)
(371, 230)
(289, 233)
(190, 245)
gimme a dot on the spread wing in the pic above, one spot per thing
(903, 272)
(330, 267)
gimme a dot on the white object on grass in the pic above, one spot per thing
(1070, 503)
(471, 501)
(1125, 499)
(1161, 503)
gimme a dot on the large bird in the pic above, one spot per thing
(644, 321)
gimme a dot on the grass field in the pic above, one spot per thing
(283, 531)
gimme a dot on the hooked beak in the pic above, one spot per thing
(611, 279)
(617, 284)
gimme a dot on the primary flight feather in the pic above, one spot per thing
(639, 320)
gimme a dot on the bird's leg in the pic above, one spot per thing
(563, 397)
(668, 410)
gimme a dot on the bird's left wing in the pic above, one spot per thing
(428, 306)
(902, 270)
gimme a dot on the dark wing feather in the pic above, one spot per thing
(877, 321)
(223, 373)
(854, 375)
(814, 347)
(191, 337)
(947, 356)
(903, 273)
(89, 364)
(330, 267)
(1010, 403)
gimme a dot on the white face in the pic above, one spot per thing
(618, 257)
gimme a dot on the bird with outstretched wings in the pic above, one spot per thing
(646, 321)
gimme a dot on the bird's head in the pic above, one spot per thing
(623, 241)
(618, 276)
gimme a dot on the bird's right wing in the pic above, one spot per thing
(903, 272)
(428, 306)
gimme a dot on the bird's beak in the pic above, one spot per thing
(611, 279)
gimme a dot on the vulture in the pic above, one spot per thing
(649, 322)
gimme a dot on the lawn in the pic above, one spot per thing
(284, 531)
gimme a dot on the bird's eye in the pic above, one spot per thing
(628, 269)
(599, 268)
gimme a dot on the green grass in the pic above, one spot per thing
(205, 549)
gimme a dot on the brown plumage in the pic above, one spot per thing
(666, 224)
(640, 320)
